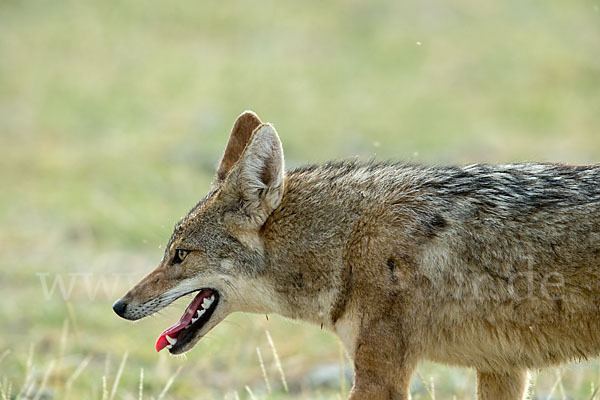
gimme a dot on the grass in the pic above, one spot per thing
(114, 114)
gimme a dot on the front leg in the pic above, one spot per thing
(382, 370)
(510, 385)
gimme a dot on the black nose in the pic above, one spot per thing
(120, 306)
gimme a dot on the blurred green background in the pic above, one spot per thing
(113, 116)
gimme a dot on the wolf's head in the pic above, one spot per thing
(216, 251)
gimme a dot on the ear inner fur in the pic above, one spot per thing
(262, 164)
(257, 178)
(240, 135)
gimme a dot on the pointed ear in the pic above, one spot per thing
(240, 135)
(255, 185)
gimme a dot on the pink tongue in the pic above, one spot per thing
(184, 321)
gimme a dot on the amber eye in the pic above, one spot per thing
(180, 255)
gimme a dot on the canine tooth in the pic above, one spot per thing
(198, 315)
(171, 340)
(207, 302)
(169, 346)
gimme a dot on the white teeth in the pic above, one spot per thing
(169, 346)
(171, 340)
(198, 315)
(207, 302)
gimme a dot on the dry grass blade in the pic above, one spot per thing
(277, 361)
(342, 370)
(61, 353)
(45, 380)
(107, 365)
(559, 374)
(29, 389)
(264, 371)
(113, 392)
(104, 388)
(28, 375)
(75, 375)
(4, 354)
(232, 395)
(431, 395)
(594, 392)
(6, 391)
(432, 386)
(73, 317)
(169, 383)
(141, 387)
(250, 393)
(63, 341)
(562, 390)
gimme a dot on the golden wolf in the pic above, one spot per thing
(489, 267)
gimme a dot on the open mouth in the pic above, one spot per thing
(193, 319)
